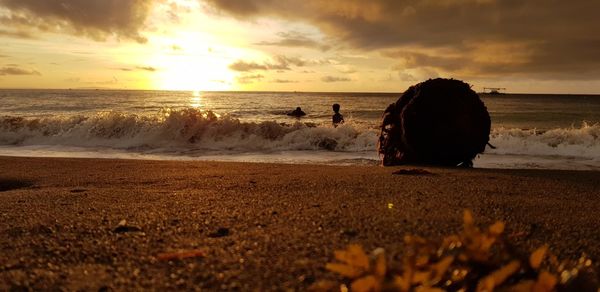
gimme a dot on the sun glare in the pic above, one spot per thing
(196, 99)
(195, 73)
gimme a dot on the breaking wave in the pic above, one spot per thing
(582, 142)
(185, 129)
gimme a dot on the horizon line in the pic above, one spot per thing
(275, 91)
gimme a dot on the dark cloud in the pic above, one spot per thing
(295, 39)
(146, 68)
(279, 63)
(17, 71)
(138, 68)
(553, 38)
(247, 79)
(243, 66)
(330, 79)
(97, 19)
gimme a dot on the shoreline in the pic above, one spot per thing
(260, 226)
(491, 161)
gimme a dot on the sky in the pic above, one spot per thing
(527, 46)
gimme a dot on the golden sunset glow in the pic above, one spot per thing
(295, 46)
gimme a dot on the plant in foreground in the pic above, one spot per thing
(473, 260)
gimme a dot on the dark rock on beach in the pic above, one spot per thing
(437, 122)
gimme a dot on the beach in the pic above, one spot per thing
(97, 224)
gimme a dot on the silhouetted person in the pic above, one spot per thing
(297, 113)
(337, 118)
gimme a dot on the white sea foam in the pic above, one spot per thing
(185, 133)
(181, 129)
(583, 142)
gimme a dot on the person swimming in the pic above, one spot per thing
(297, 113)
(337, 118)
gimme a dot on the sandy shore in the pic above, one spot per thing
(259, 226)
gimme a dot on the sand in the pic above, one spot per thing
(257, 226)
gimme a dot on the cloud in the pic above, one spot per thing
(555, 38)
(295, 39)
(279, 63)
(346, 69)
(97, 19)
(283, 81)
(138, 68)
(17, 71)
(243, 66)
(146, 68)
(330, 79)
(16, 34)
(248, 79)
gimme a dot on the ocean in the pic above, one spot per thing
(529, 130)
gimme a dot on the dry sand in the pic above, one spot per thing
(260, 226)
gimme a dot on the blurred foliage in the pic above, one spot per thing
(473, 260)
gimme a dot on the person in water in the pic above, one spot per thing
(337, 118)
(297, 113)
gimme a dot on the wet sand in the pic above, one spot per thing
(257, 226)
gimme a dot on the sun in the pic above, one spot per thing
(192, 72)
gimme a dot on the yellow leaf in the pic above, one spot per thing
(380, 265)
(498, 277)
(354, 255)
(468, 217)
(414, 240)
(359, 257)
(422, 261)
(421, 277)
(497, 228)
(345, 270)
(486, 285)
(537, 257)
(545, 282)
(342, 256)
(486, 243)
(441, 267)
(366, 284)
(403, 283)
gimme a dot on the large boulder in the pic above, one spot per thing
(438, 122)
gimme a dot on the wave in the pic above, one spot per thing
(195, 132)
(183, 129)
(581, 142)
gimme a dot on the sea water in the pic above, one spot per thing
(529, 131)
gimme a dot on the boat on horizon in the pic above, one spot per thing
(493, 90)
